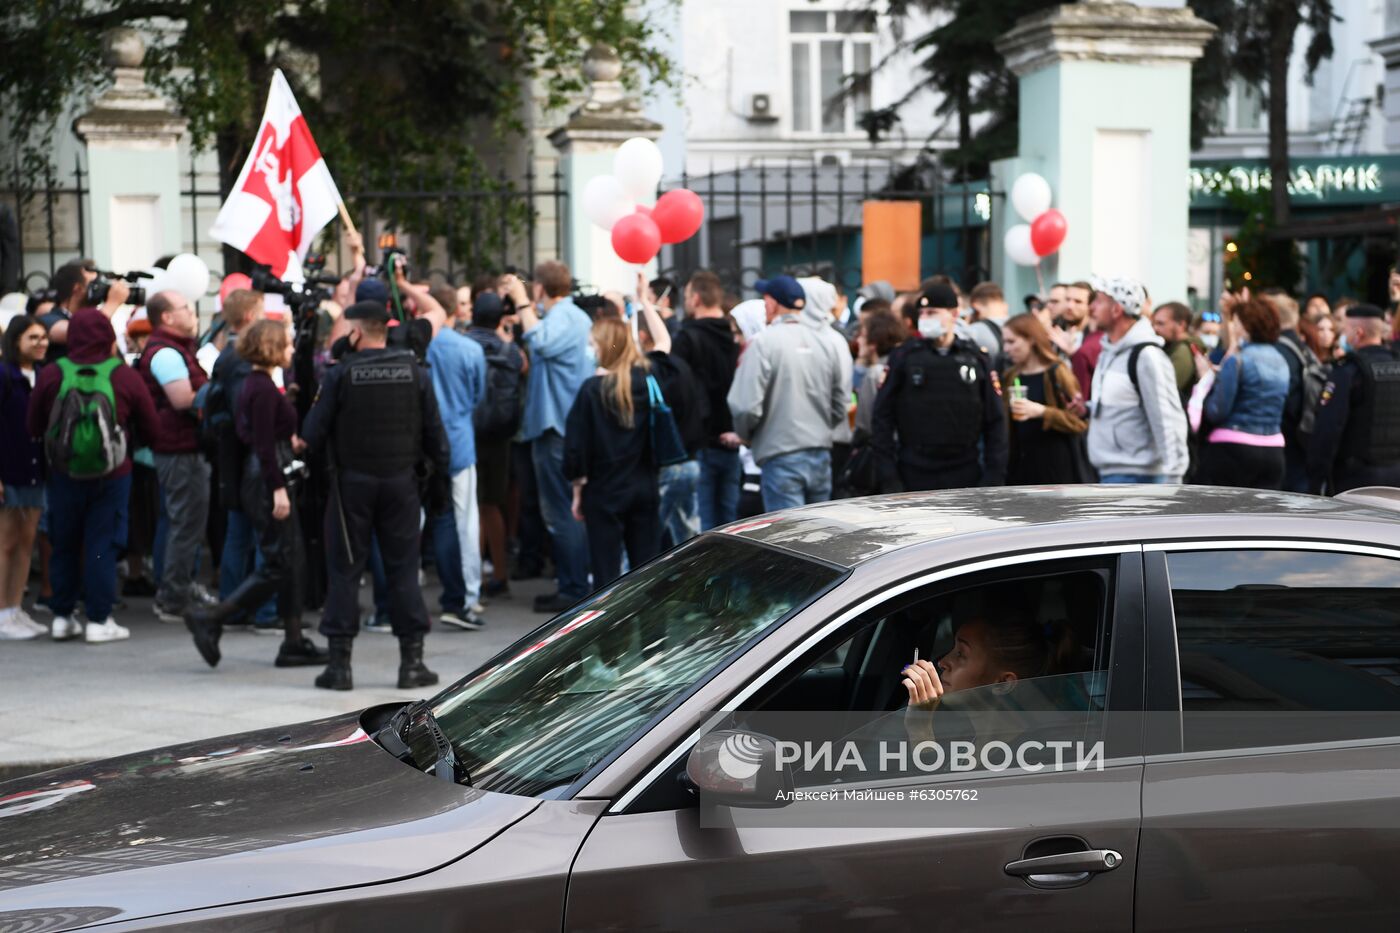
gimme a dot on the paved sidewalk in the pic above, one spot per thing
(69, 701)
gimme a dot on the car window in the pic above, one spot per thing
(1280, 647)
(556, 703)
(1048, 629)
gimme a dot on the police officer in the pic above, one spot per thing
(939, 402)
(1356, 435)
(378, 416)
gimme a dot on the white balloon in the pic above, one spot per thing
(638, 166)
(156, 283)
(1018, 245)
(188, 275)
(1030, 195)
(605, 202)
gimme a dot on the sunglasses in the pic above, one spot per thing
(1210, 317)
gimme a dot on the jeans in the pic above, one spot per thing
(447, 554)
(184, 482)
(680, 519)
(1123, 479)
(83, 519)
(720, 475)
(796, 478)
(241, 557)
(556, 506)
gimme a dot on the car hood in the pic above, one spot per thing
(244, 817)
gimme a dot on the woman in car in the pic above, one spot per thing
(988, 651)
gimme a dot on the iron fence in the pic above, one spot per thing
(53, 206)
(807, 220)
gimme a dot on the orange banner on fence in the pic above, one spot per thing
(890, 243)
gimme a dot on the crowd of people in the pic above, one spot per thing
(507, 428)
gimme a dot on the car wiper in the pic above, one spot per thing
(445, 764)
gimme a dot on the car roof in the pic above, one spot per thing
(849, 532)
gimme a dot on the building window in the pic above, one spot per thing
(827, 47)
(1247, 107)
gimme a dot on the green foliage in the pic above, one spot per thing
(387, 87)
(1260, 260)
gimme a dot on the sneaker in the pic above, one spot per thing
(379, 625)
(167, 614)
(12, 627)
(65, 629)
(28, 622)
(98, 632)
(199, 593)
(467, 620)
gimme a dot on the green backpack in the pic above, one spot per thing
(84, 438)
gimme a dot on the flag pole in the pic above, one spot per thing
(345, 217)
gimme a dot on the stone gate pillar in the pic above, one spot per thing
(1105, 116)
(586, 144)
(133, 136)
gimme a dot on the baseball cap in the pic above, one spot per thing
(372, 290)
(784, 289)
(939, 295)
(1130, 295)
(1360, 312)
(367, 311)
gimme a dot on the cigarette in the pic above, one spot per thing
(916, 654)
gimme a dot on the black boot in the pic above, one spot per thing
(412, 671)
(336, 676)
(300, 652)
(206, 624)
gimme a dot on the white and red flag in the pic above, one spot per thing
(285, 193)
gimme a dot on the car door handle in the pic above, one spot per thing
(1066, 869)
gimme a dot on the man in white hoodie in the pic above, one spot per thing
(1137, 428)
(791, 390)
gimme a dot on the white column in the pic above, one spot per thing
(587, 144)
(1105, 104)
(132, 136)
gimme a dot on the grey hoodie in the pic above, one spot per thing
(792, 386)
(1141, 435)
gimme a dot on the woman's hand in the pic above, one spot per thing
(298, 445)
(924, 686)
(578, 502)
(1203, 364)
(281, 505)
(1023, 409)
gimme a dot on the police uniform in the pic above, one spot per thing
(1356, 434)
(377, 415)
(938, 416)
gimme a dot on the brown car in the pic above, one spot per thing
(1227, 663)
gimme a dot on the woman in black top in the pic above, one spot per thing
(608, 456)
(1045, 435)
(266, 424)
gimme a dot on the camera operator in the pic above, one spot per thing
(377, 415)
(266, 424)
(70, 287)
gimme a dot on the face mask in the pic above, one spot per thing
(930, 328)
(1344, 343)
(1211, 340)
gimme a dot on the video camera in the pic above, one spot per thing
(99, 288)
(391, 256)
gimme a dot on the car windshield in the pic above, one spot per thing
(551, 706)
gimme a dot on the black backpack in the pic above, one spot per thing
(1312, 379)
(498, 414)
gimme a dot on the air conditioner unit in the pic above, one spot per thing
(761, 109)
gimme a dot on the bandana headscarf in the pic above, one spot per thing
(1129, 294)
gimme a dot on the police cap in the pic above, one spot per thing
(1361, 312)
(938, 295)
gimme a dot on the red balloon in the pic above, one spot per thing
(1048, 232)
(635, 239)
(678, 215)
(232, 281)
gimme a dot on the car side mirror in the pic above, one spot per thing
(733, 768)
